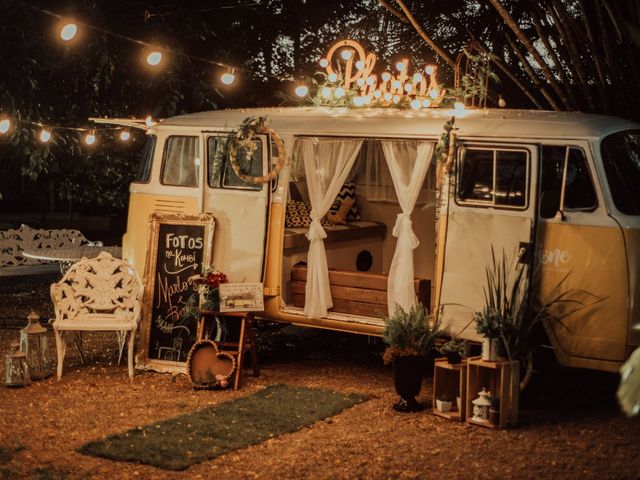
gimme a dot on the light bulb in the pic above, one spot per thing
(45, 135)
(387, 97)
(227, 78)
(417, 77)
(90, 138)
(396, 84)
(400, 66)
(346, 54)
(324, 62)
(154, 58)
(149, 121)
(426, 103)
(416, 104)
(371, 80)
(340, 92)
(366, 99)
(357, 101)
(408, 87)
(302, 90)
(502, 102)
(125, 135)
(429, 69)
(386, 76)
(396, 98)
(360, 82)
(333, 77)
(325, 92)
(5, 125)
(433, 93)
(68, 32)
(377, 94)
(359, 64)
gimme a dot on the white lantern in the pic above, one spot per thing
(481, 406)
(34, 343)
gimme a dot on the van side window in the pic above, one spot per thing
(220, 171)
(565, 166)
(493, 177)
(181, 161)
(144, 167)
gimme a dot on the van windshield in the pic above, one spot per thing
(621, 159)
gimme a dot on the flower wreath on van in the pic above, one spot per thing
(243, 139)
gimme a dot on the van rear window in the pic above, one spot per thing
(621, 160)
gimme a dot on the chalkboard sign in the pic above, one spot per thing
(179, 247)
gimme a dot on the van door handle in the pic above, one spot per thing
(524, 252)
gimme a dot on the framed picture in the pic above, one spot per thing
(180, 246)
(241, 297)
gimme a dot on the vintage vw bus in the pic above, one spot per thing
(558, 190)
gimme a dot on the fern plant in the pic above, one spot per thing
(409, 333)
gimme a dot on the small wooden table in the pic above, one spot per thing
(246, 341)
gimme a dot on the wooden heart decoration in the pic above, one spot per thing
(208, 367)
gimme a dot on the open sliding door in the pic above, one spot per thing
(492, 205)
(240, 209)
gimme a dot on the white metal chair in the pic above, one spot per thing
(99, 294)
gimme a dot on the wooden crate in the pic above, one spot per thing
(502, 379)
(357, 293)
(451, 380)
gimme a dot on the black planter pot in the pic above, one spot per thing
(407, 378)
(453, 357)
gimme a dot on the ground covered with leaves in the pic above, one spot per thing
(570, 426)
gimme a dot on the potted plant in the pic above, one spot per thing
(409, 336)
(444, 403)
(454, 349)
(489, 324)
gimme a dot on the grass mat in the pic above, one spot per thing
(179, 442)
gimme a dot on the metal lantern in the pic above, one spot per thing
(481, 406)
(17, 371)
(34, 344)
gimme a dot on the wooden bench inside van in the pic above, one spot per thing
(356, 293)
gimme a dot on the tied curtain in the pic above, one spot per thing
(408, 163)
(327, 163)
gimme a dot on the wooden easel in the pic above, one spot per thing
(246, 342)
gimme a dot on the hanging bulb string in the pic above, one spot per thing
(150, 45)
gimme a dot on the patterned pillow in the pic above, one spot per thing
(299, 215)
(348, 190)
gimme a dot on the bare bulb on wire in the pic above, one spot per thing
(149, 121)
(125, 135)
(68, 32)
(5, 125)
(45, 135)
(302, 90)
(90, 138)
(228, 77)
(154, 58)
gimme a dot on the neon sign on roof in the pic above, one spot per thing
(350, 69)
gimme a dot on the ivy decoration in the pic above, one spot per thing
(243, 141)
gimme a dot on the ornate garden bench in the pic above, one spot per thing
(14, 241)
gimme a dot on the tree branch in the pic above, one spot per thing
(399, 15)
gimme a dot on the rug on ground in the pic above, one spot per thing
(177, 443)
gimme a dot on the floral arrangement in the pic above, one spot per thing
(206, 295)
(207, 286)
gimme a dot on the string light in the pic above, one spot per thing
(90, 138)
(333, 77)
(5, 125)
(154, 58)
(400, 66)
(302, 90)
(325, 92)
(324, 62)
(228, 77)
(429, 69)
(125, 135)
(417, 77)
(386, 76)
(416, 104)
(68, 32)
(360, 65)
(340, 92)
(45, 135)
(149, 121)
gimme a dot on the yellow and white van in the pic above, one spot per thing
(560, 188)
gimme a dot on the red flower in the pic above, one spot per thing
(214, 279)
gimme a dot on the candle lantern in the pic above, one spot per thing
(481, 406)
(35, 345)
(17, 371)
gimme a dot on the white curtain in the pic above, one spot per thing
(327, 163)
(408, 163)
